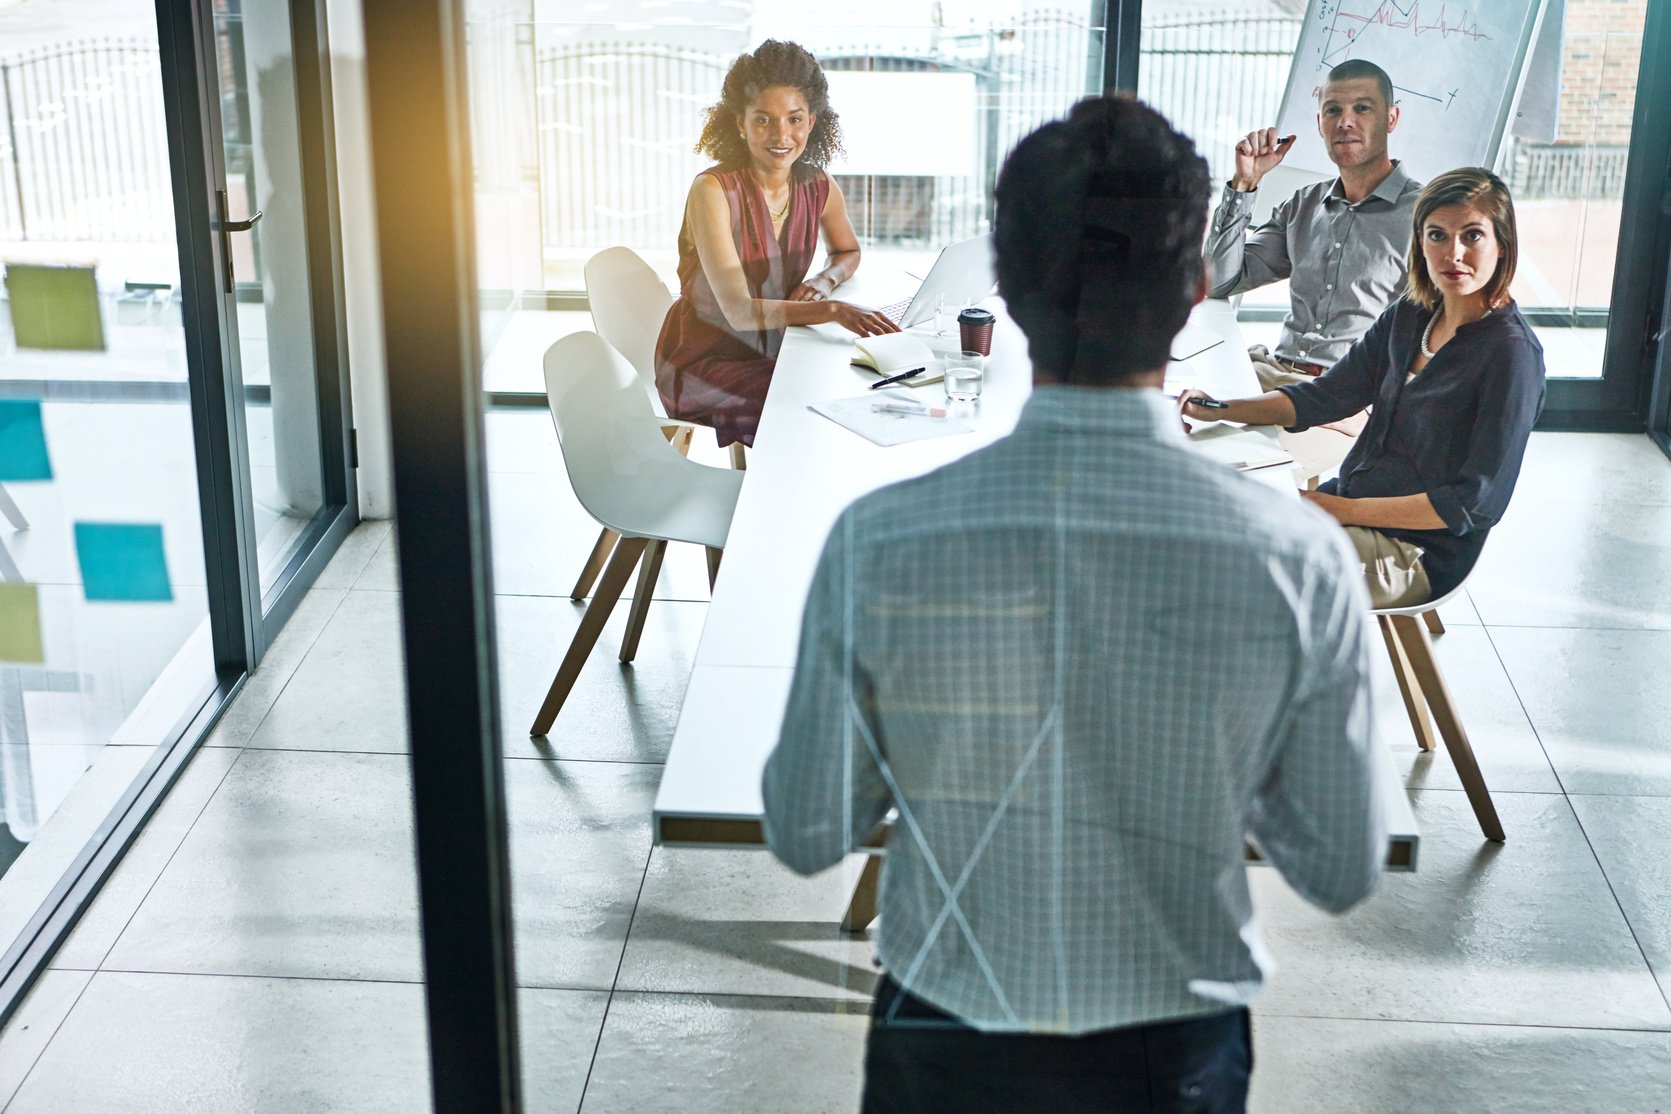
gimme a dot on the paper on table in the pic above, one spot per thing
(885, 428)
(1240, 448)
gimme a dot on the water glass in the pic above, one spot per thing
(964, 372)
(946, 309)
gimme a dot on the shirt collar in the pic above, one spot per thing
(1127, 411)
(1392, 187)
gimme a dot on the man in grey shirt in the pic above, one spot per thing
(1083, 664)
(1342, 244)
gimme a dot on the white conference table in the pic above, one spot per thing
(803, 471)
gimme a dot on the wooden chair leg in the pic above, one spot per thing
(713, 566)
(1415, 704)
(594, 563)
(861, 910)
(739, 458)
(1432, 681)
(1434, 624)
(648, 570)
(627, 552)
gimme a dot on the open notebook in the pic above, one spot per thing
(892, 353)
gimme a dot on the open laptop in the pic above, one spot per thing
(963, 272)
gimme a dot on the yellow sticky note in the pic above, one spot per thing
(20, 625)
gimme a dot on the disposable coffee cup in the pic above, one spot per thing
(974, 329)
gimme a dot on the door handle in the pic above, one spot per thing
(227, 226)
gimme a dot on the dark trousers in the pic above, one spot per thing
(921, 1060)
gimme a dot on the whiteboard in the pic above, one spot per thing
(1456, 69)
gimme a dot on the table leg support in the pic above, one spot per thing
(861, 910)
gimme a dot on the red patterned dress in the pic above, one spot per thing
(707, 371)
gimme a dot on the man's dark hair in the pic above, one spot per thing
(1354, 68)
(772, 63)
(1098, 240)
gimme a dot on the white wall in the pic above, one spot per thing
(361, 283)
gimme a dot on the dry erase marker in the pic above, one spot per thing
(897, 378)
(906, 406)
(1207, 403)
(1285, 141)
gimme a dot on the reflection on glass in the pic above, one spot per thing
(103, 617)
(270, 264)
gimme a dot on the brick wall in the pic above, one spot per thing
(1598, 87)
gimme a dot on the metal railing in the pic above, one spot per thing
(83, 154)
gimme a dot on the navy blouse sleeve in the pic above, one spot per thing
(1510, 398)
(1351, 384)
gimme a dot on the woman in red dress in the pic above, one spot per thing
(751, 229)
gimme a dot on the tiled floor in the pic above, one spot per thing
(258, 950)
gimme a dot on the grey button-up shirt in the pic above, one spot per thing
(1344, 263)
(1083, 663)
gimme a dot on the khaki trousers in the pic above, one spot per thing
(1392, 569)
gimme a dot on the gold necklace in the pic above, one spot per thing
(779, 214)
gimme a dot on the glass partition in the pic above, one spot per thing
(104, 634)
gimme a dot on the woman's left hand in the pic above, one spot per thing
(814, 289)
(1337, 507)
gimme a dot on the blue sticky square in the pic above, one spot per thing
(122, 561)
(22, 441)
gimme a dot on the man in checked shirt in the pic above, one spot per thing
(1082, 665)
(1342, 244)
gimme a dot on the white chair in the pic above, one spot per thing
(629, 304)
(1423, 687)
(637, 485)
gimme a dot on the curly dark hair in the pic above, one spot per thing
(773, 63)
(1097, 240)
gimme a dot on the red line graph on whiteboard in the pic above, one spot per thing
(1345, 27)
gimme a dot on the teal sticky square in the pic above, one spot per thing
(23, 441)
(122, 561)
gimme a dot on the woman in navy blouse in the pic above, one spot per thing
(1455, 380)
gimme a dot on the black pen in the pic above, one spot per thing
(896, 378)
(1207, 403)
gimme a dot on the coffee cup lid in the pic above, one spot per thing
(975, 315)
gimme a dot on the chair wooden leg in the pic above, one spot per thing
(1432, 681)
(739, 458)
(648, 570)
(627, 552)
(1415, 705)
(1434, 624)
(861, 910)
(594, 563)
(713, 566)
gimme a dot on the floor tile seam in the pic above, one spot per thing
(589, 761)
(46, 1044)
(857, 999)
(1595, 856)
(1275, 1014)
(407, 754)
(254, 977)
(167, 862)
(1624, 914)
(620, 962)
(388, 538)
(1537, 734)
(1567, 627)
(586, 598)
(297, 668)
